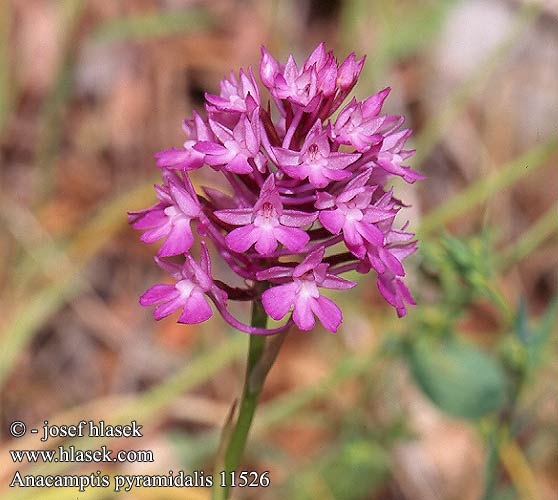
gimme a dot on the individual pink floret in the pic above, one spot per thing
(187, 158)
(352, 213)
(234, 93)
(359, 124)
(236, 146)
(266, 224)
(170, 218)
(188, 293)
(302, 293)
(316, 161)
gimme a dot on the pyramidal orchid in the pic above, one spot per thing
(303, 199)
(298, 182)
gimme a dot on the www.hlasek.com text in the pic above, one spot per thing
(72, 455)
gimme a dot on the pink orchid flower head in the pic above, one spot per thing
(304, 197)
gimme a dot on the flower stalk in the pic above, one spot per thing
(262, 352)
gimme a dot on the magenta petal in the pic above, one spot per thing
(158, 293)
(374, 214)
(391, 262)
(376, 262)
(205, 264)
(242, 238)
(324, 200)
(221, 131)
(341, 160)
(274, 273)
(311, 261)
(373, 104)
(266, 242)
(171, 157)
(398, 236)
(166, 309)
(235, 216)
(250, 137)
(269, 184)
(216, 100)
(349, 193)
(296, 171)
(327, 312)
(302, 313)
(396, 140)
(219, 159)
(294, 239)
(313, 134)
(370, 233)
(316, 178)
(286, 157)
(387, 291)
(196, 309)
(278, 300)
(179, 240)
(152, 218)
(406, 294)
(332, 220)
(336, 175)
(403, 251)
(152, 235)
(352, 236)
(316, 57)
(176, 159)
(337, 283)
(291, 69)
(239, 165)
(411, 176)
(268, 68)
(209, 147)
(162, 191)
(294, 218)
(185, 202)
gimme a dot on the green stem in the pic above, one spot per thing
(262, 353)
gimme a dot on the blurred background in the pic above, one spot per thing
(458, 400)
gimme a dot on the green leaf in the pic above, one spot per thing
(459, 378)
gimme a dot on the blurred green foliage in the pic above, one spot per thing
(349, 471)
(460, 379)
(137, 27)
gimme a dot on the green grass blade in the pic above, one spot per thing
(536, 235)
